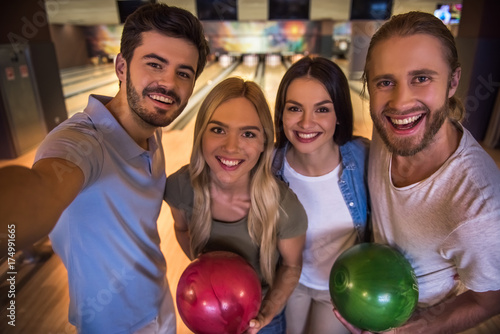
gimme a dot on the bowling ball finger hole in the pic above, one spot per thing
(341, 280)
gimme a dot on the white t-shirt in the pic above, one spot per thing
(330, 226)
(445, 225)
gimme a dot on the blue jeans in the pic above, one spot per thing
(276, 326)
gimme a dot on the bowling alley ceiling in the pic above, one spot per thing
(96, 12)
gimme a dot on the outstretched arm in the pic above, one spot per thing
(32, 200)
(287, 278)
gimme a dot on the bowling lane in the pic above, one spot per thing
(246, 70)
(275, 69)
(78, 84)
(69, 74)
(86, 78)
(211, 71)
(78, 102)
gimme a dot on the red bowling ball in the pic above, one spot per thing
(218, 293)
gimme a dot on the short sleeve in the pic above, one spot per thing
(179, 192)
(474, 247)
(77, 144)
(293, 217)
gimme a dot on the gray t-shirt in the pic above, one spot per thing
(234, 237)
(445, 225)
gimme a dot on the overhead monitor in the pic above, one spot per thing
(289, 9)
(371, 9)
(127, 7)
(217, 10)
(448, 13)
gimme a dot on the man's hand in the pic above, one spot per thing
(347, 325)
(352, 329)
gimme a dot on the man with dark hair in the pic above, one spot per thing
(435, 192)
(98, 180)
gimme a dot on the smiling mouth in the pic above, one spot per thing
(229, 163)
(304, 135)
(405, 123)
(161, 99)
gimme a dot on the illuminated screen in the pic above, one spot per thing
(371, 9)
(448, 13)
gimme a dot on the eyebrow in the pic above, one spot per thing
(165, 61)
(423, 71)
(249, 127)
(413, 73)
(316, 104)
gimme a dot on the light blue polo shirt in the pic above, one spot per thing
(108, 237)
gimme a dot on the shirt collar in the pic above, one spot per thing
(106, 124)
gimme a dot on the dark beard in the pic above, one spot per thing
(160, 117)
(404, 147)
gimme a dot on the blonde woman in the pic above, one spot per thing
(228, 199)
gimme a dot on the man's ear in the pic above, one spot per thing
(121, 68)
(455, 79)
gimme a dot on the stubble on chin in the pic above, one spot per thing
(157, 118)
(406, 146)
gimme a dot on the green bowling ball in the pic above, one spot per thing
(373, 287)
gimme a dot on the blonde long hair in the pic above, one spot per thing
(264, 191)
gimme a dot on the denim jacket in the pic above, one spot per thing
(353, 181)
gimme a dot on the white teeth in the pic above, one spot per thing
(307, 135)
(229, 163)
(405, 120)
(161, 98)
